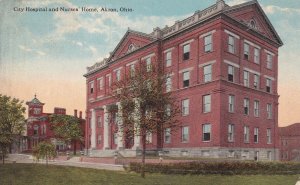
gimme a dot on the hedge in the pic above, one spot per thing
(226, 168)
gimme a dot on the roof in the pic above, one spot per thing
(34, 101)
(219, 8)
(291, 130)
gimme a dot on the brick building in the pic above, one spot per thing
(290, 142)
(223, 64)
(38, 126)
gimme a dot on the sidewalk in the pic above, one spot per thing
(22, 158)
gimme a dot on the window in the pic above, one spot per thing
(269, 155)
(256, 55)
(185, 107)
(132, 70)
(185, 134)
(269, 138)
(99, 121)
(230, 132)
(256, 108)
(246, 78)
(268, 85)
(207, 44)
(148, 64)
(149, 137)
(99, 139)
(35, 130)
(256, 155)
(246, 106)
(231, 103)
(115, 138)
(36, 111)
(186, 52)
(43, 129)
(246, 51)
(109, 80)
(256, 81)
(168, 59)
(118, 75)
(269, 111)
(168, 84)
(186, 79)
(246, 134)
(206, 103)
(167, 135)
(230, 73)
(168, 110)
(256, 135)
(269, 61)
(231, 44)
(206, 129)
(101, 84)
(92, 87)
(207, 73)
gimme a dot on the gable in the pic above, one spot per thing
(253, 16)
(130, 42)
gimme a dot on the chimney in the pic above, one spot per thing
(75, 113)
(80, 114)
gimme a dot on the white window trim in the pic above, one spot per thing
(269, 52)
(119, 68)
(167, 50)
(186, 70)
(251, 71)
(207, 63)
(232, 34)
(269, 77)
(207, 33)
(252, 44)
(132, 63)
(232, 64)
(187, 42)
(148, 56)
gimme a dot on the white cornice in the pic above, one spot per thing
(252, 71)
(232, 34)
(187, 42)
(186, 69)
(207, 63)
(231, 63)
(208, 33)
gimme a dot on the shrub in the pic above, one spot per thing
(226, 168)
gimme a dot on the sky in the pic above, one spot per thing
(47, 52)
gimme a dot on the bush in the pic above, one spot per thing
(225, 168)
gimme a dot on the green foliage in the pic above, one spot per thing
(44, 150)
(29, 174)
(225, 168)
(12, 121)
(67, 128)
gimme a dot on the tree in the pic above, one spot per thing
(146, 107)
(12, 121)
(44, 150)
(67, 128)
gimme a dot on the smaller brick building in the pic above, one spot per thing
(38, 126)
(290, 142)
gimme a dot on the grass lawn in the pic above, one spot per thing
(37, 174)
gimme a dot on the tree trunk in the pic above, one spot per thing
(143, 154)
(74, 147)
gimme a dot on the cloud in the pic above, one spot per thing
(79, 43)
(41, 53)
(93, 50)
(271, 9)
(235, 2)
(24, 48)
